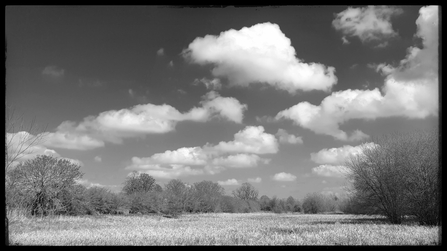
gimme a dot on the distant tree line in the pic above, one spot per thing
(397, 176)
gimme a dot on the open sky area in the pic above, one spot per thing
(277, 96)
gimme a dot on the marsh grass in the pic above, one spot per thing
(219, 229)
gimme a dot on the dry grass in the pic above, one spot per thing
(219, 229)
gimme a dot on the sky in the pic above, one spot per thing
(277, 96)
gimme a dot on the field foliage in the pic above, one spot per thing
(219, 229)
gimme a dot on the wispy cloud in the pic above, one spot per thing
(53, 71)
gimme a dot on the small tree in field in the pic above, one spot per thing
(43, 179)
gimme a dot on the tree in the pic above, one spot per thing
(265, 203)
(43, 179)
(207, 196)
(175, 195)
(290, 204)
(139, 182)
(313, 203)
(246, 192)
(19, 142)
(399, 174)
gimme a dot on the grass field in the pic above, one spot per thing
(219, 229)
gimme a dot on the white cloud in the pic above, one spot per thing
(344, 40)
(338, 156)
(53, 71)
(171, 63)
(260, 54)
(285, 137)
(229, 182)
(142, 119)
(73, 141)
(252, 139)
(255, 180)
(98, 159)
(87, 183)
(161, 52)
(239, 160)
(284, 177)
(173, 171)
(23, 146)
(227, 107)
(370, 23)
(210, 84)
(331, 171)
(184, 156)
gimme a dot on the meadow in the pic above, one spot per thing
(219, 229)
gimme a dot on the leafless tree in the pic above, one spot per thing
(43, 179)
(20, 137)
(399, 175)
(246, 192)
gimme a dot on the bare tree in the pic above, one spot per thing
(399, 175)
(43, 179)
(246, 192)
(20, 138)
(19, 141)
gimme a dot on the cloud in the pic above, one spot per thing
(252, 139)
(331, 171)
(161, 52)
(53, 71)
(338, 156)
(369, 24)
(240, 153)
(98, 159)
(171, 63)
(210, 84)
(260, 54)
(285, 137)
(23, 146)
(91, 82)
(184, 156)
(173, 171)
(229, 182)
(227, 107)
(344, 40)
(142, 119)
(255, 180)
(284, 177)
(73, 141)
(411, 90)
(239, 161)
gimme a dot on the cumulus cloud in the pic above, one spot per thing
(252, 139)
(88, 183)
(338, 156)
(24, 146)
(239, 153)
(369, 24)
(184, 156)
(255, 180)
(172, 171)
(73, 141)
(139, 120)
(53, 71)
(260, 54)
(229, 182)
(240, 160)
(227, 107)
(331, 171)
(410, 90)
(285, 137)
(284, 177)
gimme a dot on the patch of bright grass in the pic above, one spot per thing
(220, 229)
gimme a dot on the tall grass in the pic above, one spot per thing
(220, 229)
